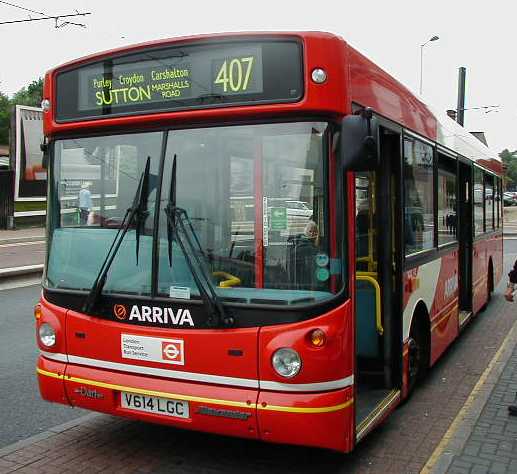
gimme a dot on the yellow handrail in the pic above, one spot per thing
(230, 280)
(366, 276)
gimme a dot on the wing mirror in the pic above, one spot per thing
(359, 140)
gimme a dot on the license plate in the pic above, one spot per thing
(157, 405)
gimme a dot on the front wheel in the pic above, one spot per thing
(417, 357)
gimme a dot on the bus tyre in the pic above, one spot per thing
(417, 356)
(489, 288)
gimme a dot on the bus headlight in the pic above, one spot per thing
(47, 335)
(286, 362)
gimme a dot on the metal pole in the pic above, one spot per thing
(421, 65)
(460, 111)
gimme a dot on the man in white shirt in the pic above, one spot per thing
(85, 203)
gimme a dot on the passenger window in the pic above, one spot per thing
(478, 202)
(418, 196)
(447, 219)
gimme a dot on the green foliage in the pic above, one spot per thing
(30, 95)
(509, 159)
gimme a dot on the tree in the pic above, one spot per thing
(509, 159)
(30, 95)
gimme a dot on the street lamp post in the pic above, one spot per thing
(433, 38)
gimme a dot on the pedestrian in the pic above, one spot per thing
(508, 294)
(85, 203)
(512, 280)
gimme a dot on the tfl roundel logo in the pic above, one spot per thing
(120, 311)
(172, 351)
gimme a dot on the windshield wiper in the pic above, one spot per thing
(136, 213)
(179, 228)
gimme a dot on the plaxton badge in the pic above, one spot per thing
(154, 314)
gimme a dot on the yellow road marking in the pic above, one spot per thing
(212, 401)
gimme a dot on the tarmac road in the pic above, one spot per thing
(22, 253)
(22, 412)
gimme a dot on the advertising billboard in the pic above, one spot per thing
(27, 159)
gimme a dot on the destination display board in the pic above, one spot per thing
(182, 77)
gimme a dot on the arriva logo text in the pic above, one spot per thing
(155, 314)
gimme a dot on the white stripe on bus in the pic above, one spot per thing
(208, 378)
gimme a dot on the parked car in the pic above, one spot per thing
(298, 208)
(510, 199)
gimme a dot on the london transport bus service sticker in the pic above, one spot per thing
(157, 405)
(153, 349)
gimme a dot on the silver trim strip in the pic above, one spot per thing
(196, 377)
(170, 374)
(55, 356)
(307, 387)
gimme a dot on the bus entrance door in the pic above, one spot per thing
(465, 241)
(377, 205)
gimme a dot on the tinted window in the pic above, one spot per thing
(489, 203)
(478, 201)
(446, 195)
(419, 196)
(241, 188)
(95, 181)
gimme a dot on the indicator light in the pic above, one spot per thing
(318, 338)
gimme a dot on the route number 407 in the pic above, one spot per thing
(235, 74)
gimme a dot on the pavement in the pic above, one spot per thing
(483, 437)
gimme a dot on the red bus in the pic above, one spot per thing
(254, 234)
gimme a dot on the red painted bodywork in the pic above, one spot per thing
(444, 308)
(351, 79)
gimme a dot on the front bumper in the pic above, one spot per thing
(324, 419)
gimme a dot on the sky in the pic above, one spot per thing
(480, 36)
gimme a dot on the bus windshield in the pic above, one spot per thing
(254, 198)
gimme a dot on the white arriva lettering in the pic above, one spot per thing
(186, 318)
(451, 285)
(157, 315)
(135, 314)
(170, 315)
(146, 314)
(161, 315)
